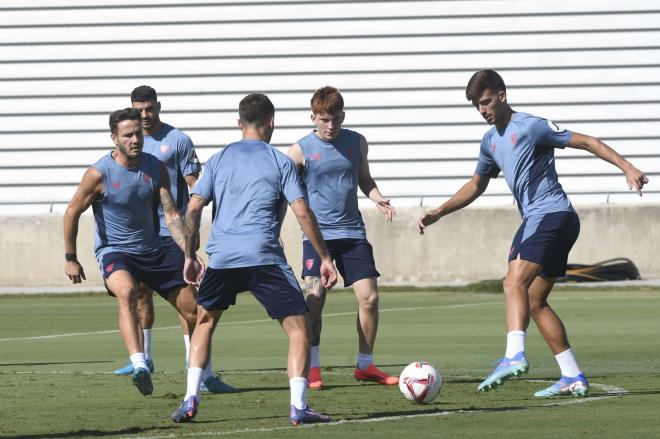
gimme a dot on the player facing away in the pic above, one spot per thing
(521, 146)
(175, 149)
(124, 188)
(333, 163)
(251, 183)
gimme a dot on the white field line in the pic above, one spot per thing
(613, 392)
(247, 322)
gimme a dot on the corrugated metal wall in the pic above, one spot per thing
(592, 66)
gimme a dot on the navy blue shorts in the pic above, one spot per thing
(172, 247)
(546, 240)
(354, 259)
(274, 286)
(162, 271)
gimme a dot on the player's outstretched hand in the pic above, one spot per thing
(328, 274)
(74, 270)
(636, 179)
(193, 270)
(426, 220)
(386, 209)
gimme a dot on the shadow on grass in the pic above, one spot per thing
(91, 433)
(325, 368)
(50, 363)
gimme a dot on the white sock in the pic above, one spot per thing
(138, 360)
(515, 342)
(568, 363)
(194, 379)
(147, 343)
(298, 387)
(364, 360)
(186, 341)
(208, 370)
(314, 360)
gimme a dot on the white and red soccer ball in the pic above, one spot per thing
(420, 383)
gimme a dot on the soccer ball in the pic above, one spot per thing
(419, 382)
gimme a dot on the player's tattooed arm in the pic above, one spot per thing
(173, 219)
(192, 224)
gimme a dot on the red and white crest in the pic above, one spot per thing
(115, 184)
(514, 138)
(309, 263)
(109, 267)
(164, 148)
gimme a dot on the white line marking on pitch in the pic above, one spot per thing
(247, 322)
(612, 392)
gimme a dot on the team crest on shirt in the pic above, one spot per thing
(109, 267)
(115, 184)
(146, 178)
(514, 138)
(309, 263)
(164, 148)
(315, 156)
(493, 146)
(554, 127)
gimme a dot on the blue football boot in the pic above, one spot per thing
(577, 386)
(142, 380)
(186, 411)
(507, 368)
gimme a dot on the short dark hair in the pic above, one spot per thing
(255, 109)
(327, 100)
(486, 79)
(122, 115)
(144, 93)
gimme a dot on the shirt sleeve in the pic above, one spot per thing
(550, 134)
(206, 182)
(291, 186)
(187, 157)
(486, 166)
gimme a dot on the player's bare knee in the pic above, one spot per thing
(314, 288)
(369, 303)
(190, 315)
(536, 306)
(512, 283)
(125, 296)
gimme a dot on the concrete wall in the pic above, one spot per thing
(469, 245)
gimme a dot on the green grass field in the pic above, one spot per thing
(57, 354)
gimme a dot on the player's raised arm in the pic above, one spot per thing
(90, 188)
(310, 228)
(173, 219)
(463, 197)
(368, 185)
(634, 177)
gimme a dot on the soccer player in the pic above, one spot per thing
(176, 150)
(124, 188)
(522, 147)
(333, 163)
(250, 183)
